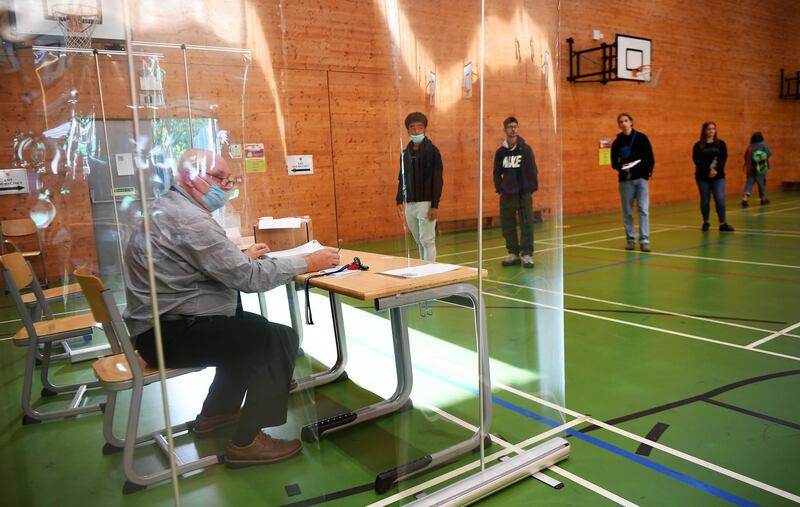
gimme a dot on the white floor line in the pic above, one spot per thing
(508, 448)
(773, 205)
(715, 259)
(680, 454)
(758, 232)
(616, 303)
(782, 332)
(773, 211)
(535, 241)
(650, 328)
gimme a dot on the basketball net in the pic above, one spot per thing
(77, 23)
(648, 75)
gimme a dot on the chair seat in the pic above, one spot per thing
(116, 370)
(55, 292)
(74, 325)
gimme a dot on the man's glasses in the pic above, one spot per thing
(224, 183)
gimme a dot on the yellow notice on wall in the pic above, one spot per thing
(255, 165)
(605, 156)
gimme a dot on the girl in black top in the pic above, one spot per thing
(709, 155)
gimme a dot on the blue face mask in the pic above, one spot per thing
(215, 198)
(417, 138)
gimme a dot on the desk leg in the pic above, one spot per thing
(336, 372)
(262, 305)
(294, 310)
(397, 401)
(385, 480)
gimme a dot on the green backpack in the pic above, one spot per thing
(760, 161)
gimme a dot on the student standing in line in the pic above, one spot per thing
(419, 186)
(756, 165)
(516, 179)
(709, 155)
(632, 158)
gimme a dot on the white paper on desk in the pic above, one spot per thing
(279, 223)
(628, 166)
(310, 247)
(422, 270)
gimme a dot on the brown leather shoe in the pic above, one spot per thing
(205, 425)
(263, 449)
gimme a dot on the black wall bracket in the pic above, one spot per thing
(790, 86)
(608, 64)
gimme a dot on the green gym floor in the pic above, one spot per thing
(682, 374)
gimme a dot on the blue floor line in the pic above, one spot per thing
(686, 479)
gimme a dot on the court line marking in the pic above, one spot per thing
(773, 205)
(667, 312)
(756, 232)
(770, 212)
(508, 448)
(535, 241)
(715, 259)
(642, 326)
(782, 332)
(669, 450)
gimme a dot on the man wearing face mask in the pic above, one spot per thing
(419, 186)
(198, 274)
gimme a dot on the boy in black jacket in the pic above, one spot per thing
(515, 179)
(632, 158)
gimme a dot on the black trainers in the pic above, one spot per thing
(764, 201)
(630, 245)
(745, 203)
(725, 226)
(705, 226)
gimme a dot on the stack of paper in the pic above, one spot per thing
(310, 247)
(279, 223)
(422, 270)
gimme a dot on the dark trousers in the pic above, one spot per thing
(252, 355)
(717, 189)
(512, 206)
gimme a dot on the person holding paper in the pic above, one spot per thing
(709, 155)
(516, 179)
(419, 186)
(198, 274)
(632, 158)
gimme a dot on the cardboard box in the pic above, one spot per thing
(284, 239)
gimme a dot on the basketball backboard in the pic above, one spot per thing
(632, 54)
(33, 18)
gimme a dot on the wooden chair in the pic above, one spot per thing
(20, 227)
(127, 370)
(18, 274)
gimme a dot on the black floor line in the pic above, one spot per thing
(654, 434)
(343, 493)
(686, 401)
(754, 414)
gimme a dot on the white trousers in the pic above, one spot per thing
(423, 230)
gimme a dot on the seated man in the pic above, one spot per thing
(198, 273)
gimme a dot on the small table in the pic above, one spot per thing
(394, 294)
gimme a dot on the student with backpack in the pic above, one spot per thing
(756, 165)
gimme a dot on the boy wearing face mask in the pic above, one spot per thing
(419, 186)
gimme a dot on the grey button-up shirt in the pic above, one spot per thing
(198, 270)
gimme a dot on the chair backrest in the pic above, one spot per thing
(9, 247)
(18, 227)
(105, 311)
(17, 267)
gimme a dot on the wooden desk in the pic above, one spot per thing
(370, 285)
(395, 294)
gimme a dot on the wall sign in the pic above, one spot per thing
(300, 164)
(13, 181)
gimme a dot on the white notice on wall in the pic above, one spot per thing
(300, 164)
(124, 164)
(13, 181)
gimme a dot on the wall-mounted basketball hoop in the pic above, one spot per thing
(627, 59)
(790, 86)
(77, 23)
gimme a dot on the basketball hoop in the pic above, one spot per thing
(77, 22)
(647, 74)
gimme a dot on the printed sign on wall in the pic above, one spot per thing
(300, 164)
(13, 181)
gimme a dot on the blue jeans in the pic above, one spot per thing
(629, 191)
(761, 180)
(717, 188)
